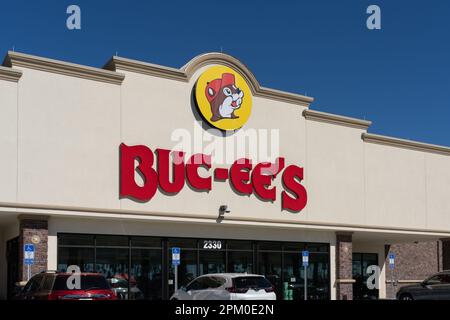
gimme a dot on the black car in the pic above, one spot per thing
(436, 287)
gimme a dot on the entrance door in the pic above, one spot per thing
(12, 262)
(293, 276)
(269, 265)
(361, 261)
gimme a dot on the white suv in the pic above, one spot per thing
(227, 286)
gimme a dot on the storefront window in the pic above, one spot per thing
(138, 268)
(318, 276)
(146, 270)
(293, 284)
(76, 256)
(239, 245)
(187, 270)
(111, 241)
(113, 263)
(212, 262)
(138, 276)
(269, 265)
(240, 261)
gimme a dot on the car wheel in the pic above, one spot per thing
(406, 296)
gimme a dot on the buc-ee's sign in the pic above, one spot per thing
(224, 99)
(245, 177)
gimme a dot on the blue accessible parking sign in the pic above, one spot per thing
(175, 256)
(305, 258)
(391, 261)
(28, 254)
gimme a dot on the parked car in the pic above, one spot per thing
(53, 286)
(436, 287)
(120, 287)
(227, 286)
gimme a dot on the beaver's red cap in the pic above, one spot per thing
(217, 84)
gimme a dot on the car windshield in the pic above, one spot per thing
(251, 282)
(88, 282)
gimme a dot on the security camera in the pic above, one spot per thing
(223, 209)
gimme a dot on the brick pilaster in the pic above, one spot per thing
(344, 260)
(33, 226)
(445, 253)
(391, 289)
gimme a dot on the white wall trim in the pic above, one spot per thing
(52, 210)
(9, 74)
(402, 143)
(16, 59)
(336, 119)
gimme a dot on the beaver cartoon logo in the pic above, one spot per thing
(223, 98)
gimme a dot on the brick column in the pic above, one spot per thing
(391, 285)
(445, 253)
(344, 276)
(30, 228)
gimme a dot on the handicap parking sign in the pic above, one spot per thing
(305, 258)
(28, 254)
(391, 261)
(176, 256)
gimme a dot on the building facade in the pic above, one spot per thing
(98, 170)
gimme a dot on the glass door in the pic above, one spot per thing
(293, 272)
(146, 269)
(361, 261)
(269, 265)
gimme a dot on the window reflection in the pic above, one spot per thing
(146, 269)
(113, 264)
(133, 265)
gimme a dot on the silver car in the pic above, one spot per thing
(227, 286)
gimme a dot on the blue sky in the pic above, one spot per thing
(398, 77)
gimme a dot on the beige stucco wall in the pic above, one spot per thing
(68, 139)
(8, 140)
(69, 132)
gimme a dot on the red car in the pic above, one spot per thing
(53, 286)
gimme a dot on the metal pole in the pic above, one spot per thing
(392, 281)
(306, 283)
(28, 272)
(176, 277)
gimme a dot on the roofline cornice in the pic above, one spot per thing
(10, 74)
(186, 72)
(16, 59)
(336, 119)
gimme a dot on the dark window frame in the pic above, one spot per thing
(165, 248)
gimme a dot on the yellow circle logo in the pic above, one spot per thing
(223, 97)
